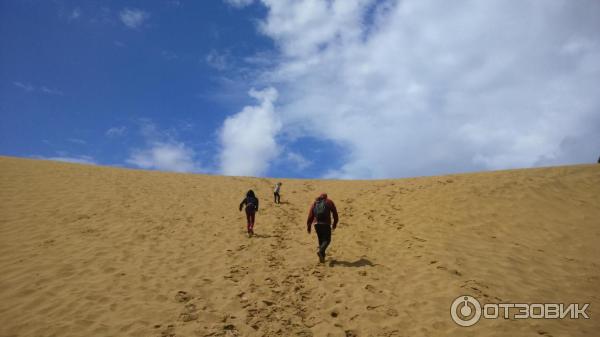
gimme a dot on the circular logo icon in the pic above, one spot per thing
(465, 310)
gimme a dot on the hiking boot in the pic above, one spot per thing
(321, 257)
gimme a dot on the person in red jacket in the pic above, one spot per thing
(319, 214)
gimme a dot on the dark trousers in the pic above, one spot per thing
(250, 215)
(324, 235)
(277, 197)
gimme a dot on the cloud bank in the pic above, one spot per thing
(248, 138)
(424, 87)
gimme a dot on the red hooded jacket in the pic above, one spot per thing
(330, 208)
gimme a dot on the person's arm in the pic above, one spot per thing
(310, 219)
(335, 215)
(242, 204)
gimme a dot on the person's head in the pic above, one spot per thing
(250, 193)
(322, 196)
(279, 183)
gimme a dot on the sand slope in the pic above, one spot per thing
(96, 251)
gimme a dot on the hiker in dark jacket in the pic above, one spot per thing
(319, 214)
(251, 203)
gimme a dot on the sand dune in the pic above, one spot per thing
(97, 251)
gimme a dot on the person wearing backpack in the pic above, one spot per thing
(319, 214)
(251, 202)
(276, 193)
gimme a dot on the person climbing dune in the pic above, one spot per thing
(251, 202)
(319, 214)
(276, 193)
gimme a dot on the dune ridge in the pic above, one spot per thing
(100, 251)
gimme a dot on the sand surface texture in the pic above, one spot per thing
(96, 251)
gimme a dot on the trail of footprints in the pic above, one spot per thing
(189, 312)
(285, 304)
(283, 311)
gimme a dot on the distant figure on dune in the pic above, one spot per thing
(276, 193)
(251, 202)
(598, 160)
(319, 214)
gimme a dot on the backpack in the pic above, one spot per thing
(251, 203)
(321, 210)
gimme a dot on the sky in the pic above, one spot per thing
(342, 89)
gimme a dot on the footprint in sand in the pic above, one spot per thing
(189, 313)
(182, 296)
(169, 331)
(48, 243)
(350, 333)
(451, 271)
(236, 273)
(230, 327)
(479, 289)
(317, 274)
(372, 289)
(304, 333)
(391, 312)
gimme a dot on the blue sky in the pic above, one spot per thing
(305, 89)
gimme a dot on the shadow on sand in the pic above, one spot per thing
(362, 262)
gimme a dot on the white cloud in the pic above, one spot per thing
(239, 3)
(248, 137)
(172, 156)
(262, 59)
(116, 131)
(133, 18)
(169, 55)
(216, 60)
(51, 91)
(77, 141)
(163, 152)
(298, 160)
(421, 87)
(30, 88)
(75, 14)
(25, 86)
(71, 159)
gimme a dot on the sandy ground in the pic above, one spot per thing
(96, 251)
